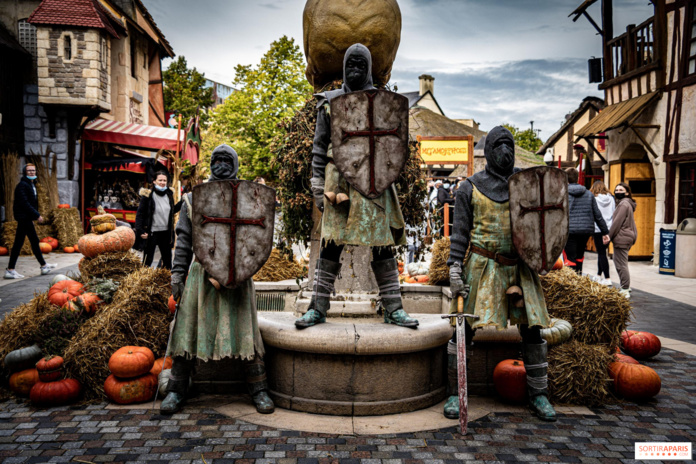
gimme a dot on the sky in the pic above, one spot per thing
(496, 61)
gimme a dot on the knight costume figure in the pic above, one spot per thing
(349, 217)
(491, 267)
(213, 322)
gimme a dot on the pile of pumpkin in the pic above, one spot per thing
(135, 375)
(43, 383)
(415, 273)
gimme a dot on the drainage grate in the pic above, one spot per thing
(270, 302)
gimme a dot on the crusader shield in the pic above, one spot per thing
(539, 215)
(369, 137)
(232, 228)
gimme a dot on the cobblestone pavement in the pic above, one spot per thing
(93, 433)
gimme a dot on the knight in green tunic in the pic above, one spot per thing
(483, 256)
(349, 218)
(212, 324)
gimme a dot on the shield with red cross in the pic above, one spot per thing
(232, 224)
(369, 138)
(539, 215)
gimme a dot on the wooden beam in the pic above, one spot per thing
(645, 143)
(646, 126)
(608, 28)
(589, 18)
(594, 150)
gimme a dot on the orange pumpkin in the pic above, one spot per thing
(120, 239)
(64, 206)
(411, 280)
(102, 222)
(69, 250)
(51, 241)
(635, 381)
(3, 251)
(50, 368)
(55, 393)
(22, 381)
(422, 279)
(131, 361)
(64, 291)
(640, 345)
(558, 264)
(89, 301)
(45, 247)
(157, 368)
(510, 380)
(172, 304)
(127, 391)
(76, 248)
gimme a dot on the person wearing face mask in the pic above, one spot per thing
(360, 221)
(623, 234)
(154, 221)
(212, 321)
(26, 210)
(482, 278)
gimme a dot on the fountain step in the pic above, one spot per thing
(341, 308)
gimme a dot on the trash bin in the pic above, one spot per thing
(685, 261)
(668, 238)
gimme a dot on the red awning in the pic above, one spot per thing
(131, 135)
(138, 168)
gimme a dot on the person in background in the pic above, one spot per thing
(154, 221)
(260, 180)
(623, 234)
(606, 205)
(583, 214)
(26, 210)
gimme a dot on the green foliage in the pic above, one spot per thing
(105, 288)
(248, 119)
(55, 331)
(526, 139)
(184, 90)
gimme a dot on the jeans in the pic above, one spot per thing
(25, 229)
(602, 260)
(163, 241)
(575, 250)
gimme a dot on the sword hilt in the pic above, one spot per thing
(459, 315)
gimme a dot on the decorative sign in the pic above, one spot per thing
(668, 248)
(446, 150)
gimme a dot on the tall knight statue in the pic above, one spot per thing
(224, 236)
(360, 148)
(506, 232)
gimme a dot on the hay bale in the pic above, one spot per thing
(114, 266)
(439, 270)
(597, 313)
(138, 316)
(68, 226)
(9, 231)
(579, 374)
(279, 267)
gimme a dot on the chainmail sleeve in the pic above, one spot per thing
(183, 254)
(322, 138)
(463, 222)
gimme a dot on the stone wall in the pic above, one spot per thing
(38, 139)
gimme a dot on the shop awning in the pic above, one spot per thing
(132, 135)
(616, 116)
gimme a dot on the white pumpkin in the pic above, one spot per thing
(58, 278)
(558, 333)
(412, 269)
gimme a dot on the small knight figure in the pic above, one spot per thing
(214, 321)
(352, 216)
(492, 270)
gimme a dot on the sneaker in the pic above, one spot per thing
(606, 282)
(46, 269)
(50, 266)
(626, 292)
(13, 274)
(596, 278)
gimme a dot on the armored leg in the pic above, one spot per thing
(178, 385)
(387, 275)
(537, 381)
(255, 372)
(325, 275)
(452, 403)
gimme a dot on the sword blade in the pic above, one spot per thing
(461, 375)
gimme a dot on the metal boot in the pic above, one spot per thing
(325, 275)
(177, 385)
(537, 381)
(452, 403)
(255, 372)
(387, 275)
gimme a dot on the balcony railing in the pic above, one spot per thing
(631, 51)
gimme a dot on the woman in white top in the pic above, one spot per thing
(606, 204)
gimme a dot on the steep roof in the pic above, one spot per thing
(587, 103)
(81, 13)
(424, 122)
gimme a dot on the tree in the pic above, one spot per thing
(526, 139)
(185, 91)
(268, 93)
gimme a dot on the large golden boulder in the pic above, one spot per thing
(331, 26)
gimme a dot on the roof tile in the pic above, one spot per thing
(83, 13)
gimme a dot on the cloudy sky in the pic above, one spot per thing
(498, 61)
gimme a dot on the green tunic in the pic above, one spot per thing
(489, 280)
(377, 222)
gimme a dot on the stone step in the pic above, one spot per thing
(364, 297)
(345, 308)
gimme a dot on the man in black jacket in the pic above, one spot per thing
(26, 210)
(583, 213)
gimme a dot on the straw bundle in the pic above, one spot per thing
(47, 182)
(439, 271)
(597, 313)
(10, 170)
(138, 316)
(279, 267)
(67, 225)
(579, 374)
(114, 266)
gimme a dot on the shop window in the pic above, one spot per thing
(67, 47)
(104, 53)
(687, 191)
(691, 44)
(642, 187)
(27, 36)
(133, 56)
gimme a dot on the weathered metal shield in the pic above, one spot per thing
(232, 228)
(369, 137)
(539, 215)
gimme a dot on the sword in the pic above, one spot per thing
(461, 362)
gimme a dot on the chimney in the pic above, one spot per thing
(426, 84)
